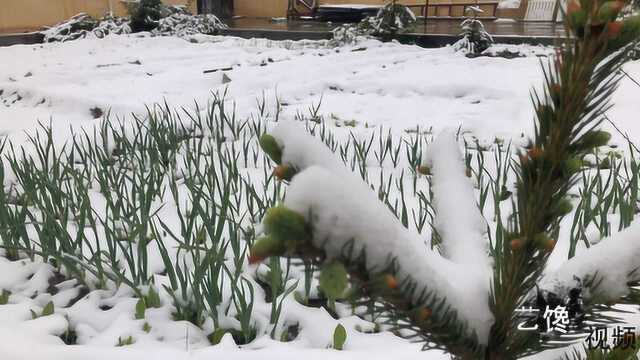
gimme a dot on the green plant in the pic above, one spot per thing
(129, 340)
(151, 300)
(339, 337)
(243, 299)
(216, 336)
(46, 311)
(333, 282)
(69, 337)
(4, 296)
(278, 290)
(141, 308)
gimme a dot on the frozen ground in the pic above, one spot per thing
(374, 84)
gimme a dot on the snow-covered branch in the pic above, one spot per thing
(344, 212)
(613, 261)
(458, 218)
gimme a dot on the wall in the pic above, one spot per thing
(260, 8)
(29, 15)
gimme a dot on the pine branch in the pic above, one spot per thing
(414, 312)
(464, 240)
(578, 85)
(345, 221)
(605, 284)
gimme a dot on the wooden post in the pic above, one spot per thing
(426, 13)
(556, 8)
(291, 9)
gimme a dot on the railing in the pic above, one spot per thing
(543, 10)
(426, 9)
(308, 6)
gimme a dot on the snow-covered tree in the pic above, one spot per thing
(475, 39)
(145, 15)
(391, 19)
(463, 294)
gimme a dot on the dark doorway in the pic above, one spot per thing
(221, 8)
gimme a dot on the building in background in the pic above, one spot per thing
(438, 8)
(31, 15)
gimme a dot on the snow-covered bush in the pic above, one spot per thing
(168, 10)
(350, 33)
(83, 25)
(393, 18)
(180, 24)
(75, 28)
(145, 15)
(475, 39)
(635, 53)
(390, 20)
(175, 21)
(111, 25)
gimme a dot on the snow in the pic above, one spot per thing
(21, 348)
(613, 261)
(341, 209)
(304, 151)
(86, 73)
(384, 86)
(387, 84)
(454, 198)
(99, 327)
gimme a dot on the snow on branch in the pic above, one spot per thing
(612, 263)
(458, 218)
(303, 150)
(344, 212)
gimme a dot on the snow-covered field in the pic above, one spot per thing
(363, 89)
(373, 83)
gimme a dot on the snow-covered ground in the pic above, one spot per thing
(371, 84)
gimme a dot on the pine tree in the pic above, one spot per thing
(578, 85)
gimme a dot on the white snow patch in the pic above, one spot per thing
(458, 219)
(613, 260)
